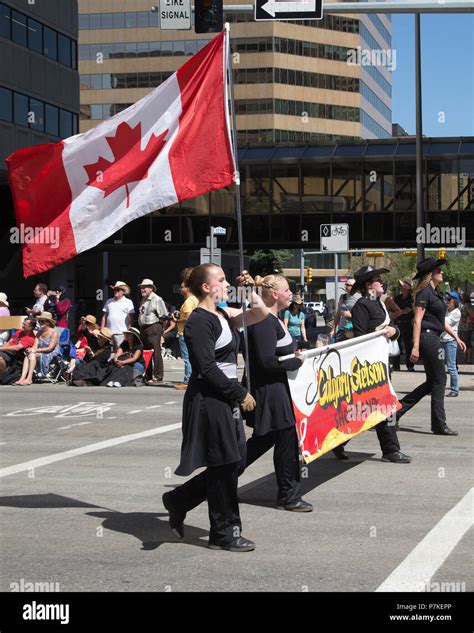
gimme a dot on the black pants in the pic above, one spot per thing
(219, 485)
(151, 337)
(285, 460)
(405, 342)
(387, 437)
(432, 356)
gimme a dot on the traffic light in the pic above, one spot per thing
(309, 274)
(375, 254)
(442, 253)
(208, 16)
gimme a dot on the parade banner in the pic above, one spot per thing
(340, 391)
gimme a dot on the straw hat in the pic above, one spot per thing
(89, 318)
(106, 333)
(297, 300)
(148, 282)
(47, 316)
(121, 285)
(3, 299)
(135, 332)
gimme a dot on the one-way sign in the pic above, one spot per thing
(288, 10)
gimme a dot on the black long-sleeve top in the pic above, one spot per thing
(213, 347)
(367, 315)
(268, 340)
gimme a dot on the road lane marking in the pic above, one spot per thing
(134, 411)
(416, 571)
(172, 402)
(154, 406)
(90, 448)
(69, 426)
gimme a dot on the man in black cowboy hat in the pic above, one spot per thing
(428, 325)
(368, 315)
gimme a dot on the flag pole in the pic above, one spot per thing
(238, 207)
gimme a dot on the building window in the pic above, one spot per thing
(64, 50)
(74, 54)
(19, 28)
(20, 109)
(50, 43)
(51, 120)
(6, 105)
(35, 36)
(5, 21)
(65, 124)
(36, 115)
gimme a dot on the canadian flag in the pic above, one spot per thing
(172, 145)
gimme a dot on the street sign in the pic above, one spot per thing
(206, 256)
(288, 10)
(220, 230)
(334, 237)
(175, 15)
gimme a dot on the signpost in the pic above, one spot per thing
(175, 15)
(335, 239)
(288, 10)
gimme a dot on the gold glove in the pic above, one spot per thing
(248, 403)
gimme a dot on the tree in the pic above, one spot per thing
(263, 262)
(459, 271)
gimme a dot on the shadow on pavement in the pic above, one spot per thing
(263, 491)
(151, 528)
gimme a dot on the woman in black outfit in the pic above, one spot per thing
(213, 431)
(273, 418)
(429, 323)
(368, 315)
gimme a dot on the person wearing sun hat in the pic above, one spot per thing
(152, 309)
(293, 318)
(369, 314)
(429, 323)
(44, 349)
(128, 362)
(118, 313)
(92, 371)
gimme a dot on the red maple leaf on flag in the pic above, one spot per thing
(131, 162)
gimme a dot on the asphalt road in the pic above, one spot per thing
(91, 519)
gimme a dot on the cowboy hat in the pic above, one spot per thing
(404, 283)
(148, 282)
(47, 316)
(427, 266)
(3, 299)
(121, 285)
(365, 274)
(135, 332)
(106, 333)
(89, 318)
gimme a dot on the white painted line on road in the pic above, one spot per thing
(416, 571)
(134, 411)
(2, 443)
(69, 426)
(172, 402)
(90, 448)
(154, 406)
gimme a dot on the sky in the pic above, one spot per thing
(447, 72)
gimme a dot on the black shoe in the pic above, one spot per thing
(397, 458)
(297, 506)
(452, 394)
(176, 517)
(340, 452)
(239, 544)
(445, 431)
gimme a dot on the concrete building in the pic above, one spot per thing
(39, 92)
(298, 81)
